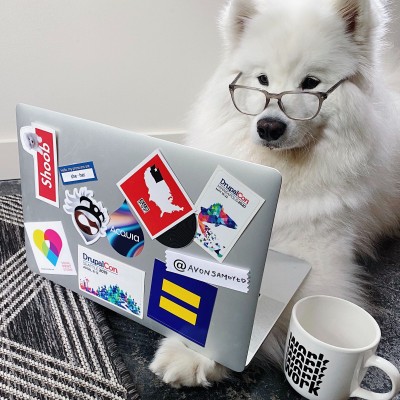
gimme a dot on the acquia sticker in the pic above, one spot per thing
(124, 232)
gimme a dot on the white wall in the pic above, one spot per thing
(135, 64)
(394, 32)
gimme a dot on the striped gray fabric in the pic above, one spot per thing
(54, 344)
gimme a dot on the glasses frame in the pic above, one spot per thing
(322, 96)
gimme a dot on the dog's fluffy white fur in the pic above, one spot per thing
(340, 170)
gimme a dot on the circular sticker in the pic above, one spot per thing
(181, 234)
(124, 232)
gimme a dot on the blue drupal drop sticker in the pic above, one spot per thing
(124, 232)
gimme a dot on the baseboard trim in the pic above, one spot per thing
(171, 137)
(9, 161)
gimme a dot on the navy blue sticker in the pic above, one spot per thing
(83, 172)
(182, 304)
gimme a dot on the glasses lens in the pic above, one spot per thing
(249, 101)
(300, 105)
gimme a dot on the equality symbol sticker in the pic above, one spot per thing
(50, 247)
(180, 303)
(89, 216)
(156, 196)
(124, 232)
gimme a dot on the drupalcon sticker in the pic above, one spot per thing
(118, 285)
(224, 209)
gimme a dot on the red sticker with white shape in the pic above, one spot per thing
(156, 195)
(41, 143)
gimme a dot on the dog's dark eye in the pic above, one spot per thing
(310, 83)
(263, 79)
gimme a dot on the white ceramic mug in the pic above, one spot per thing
(331, 343)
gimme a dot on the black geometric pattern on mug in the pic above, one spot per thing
(303, 367)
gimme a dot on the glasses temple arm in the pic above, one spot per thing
(236, 79)
(336, 86)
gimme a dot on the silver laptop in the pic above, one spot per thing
(171, 237)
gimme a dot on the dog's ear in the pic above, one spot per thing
(234, 19)
(358, 17)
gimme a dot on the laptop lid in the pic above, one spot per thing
(171, 237)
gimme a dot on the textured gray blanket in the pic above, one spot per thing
(136, 345)
(54, 344)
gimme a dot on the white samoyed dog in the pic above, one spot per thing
(337, 148)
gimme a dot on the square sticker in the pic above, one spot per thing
(50, 247)
(156, 195)
(182, 304)
(111, 281)
(224, 209)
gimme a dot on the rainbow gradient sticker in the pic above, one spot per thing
(49, 243)
(50, 247)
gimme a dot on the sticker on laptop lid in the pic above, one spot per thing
(155, 194)
(50, 247)
(208, 271)
(181, 234)
(181, 303)
(77, 173)
(41, 143)
(224, 209)
(111, 281)
(124, 232)
(89, 216)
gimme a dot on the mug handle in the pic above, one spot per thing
(390, 370)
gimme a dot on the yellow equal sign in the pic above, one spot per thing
(181, 294)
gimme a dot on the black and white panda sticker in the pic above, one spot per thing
(89, 216)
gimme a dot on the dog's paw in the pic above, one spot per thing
(179, 366)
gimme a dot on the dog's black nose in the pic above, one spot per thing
(270, 129)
